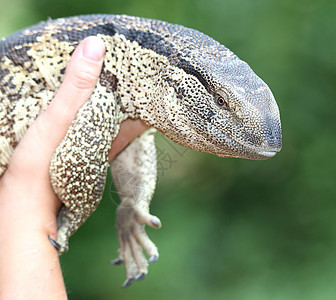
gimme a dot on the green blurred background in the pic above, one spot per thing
(232, 229)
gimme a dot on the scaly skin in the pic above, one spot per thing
(176, 80)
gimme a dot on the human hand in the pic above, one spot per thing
(29, 264)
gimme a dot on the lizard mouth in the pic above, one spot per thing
(250, 152)
(267, 154)
(219, 139)
(254, 146)
(228, 146)
(246, 152)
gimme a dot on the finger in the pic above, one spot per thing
(40, 141)
(79, 81)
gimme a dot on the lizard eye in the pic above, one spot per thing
(221, 101)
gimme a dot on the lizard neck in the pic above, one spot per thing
(142, 79)
(146, 87)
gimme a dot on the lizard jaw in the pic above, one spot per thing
(251, 154)
(230, 147)
(267, 154)
(255, 153)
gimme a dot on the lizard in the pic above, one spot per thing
(176, 80)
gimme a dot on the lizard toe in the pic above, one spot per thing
(145, 242)
(146, 218)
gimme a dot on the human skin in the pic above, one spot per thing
(29, 263)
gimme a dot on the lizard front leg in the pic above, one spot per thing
(79, 165)
(134, 175)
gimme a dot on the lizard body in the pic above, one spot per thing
(175, 79)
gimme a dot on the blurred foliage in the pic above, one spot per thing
(232, 229)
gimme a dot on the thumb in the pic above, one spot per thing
(48, 130)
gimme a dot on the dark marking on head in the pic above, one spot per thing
(189, 69)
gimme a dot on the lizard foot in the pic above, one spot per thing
(131, 223)
(67, 223)
(61, 246)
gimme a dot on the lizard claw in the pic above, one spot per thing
(153, 258)
(127, 283)
(131, 223)
(116, 262)
(54, 243)
(61, 246)
(140, 277)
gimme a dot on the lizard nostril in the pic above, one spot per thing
(273, 134)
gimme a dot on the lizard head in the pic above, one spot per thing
(205, 98)
(220, 106)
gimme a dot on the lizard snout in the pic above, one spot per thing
(273, 137)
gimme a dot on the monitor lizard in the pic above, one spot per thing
(176, 80)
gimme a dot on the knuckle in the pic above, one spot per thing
(84, 80)
(85, 76)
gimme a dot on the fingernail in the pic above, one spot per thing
(94, 48)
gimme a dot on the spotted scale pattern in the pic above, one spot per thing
(169, 76)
